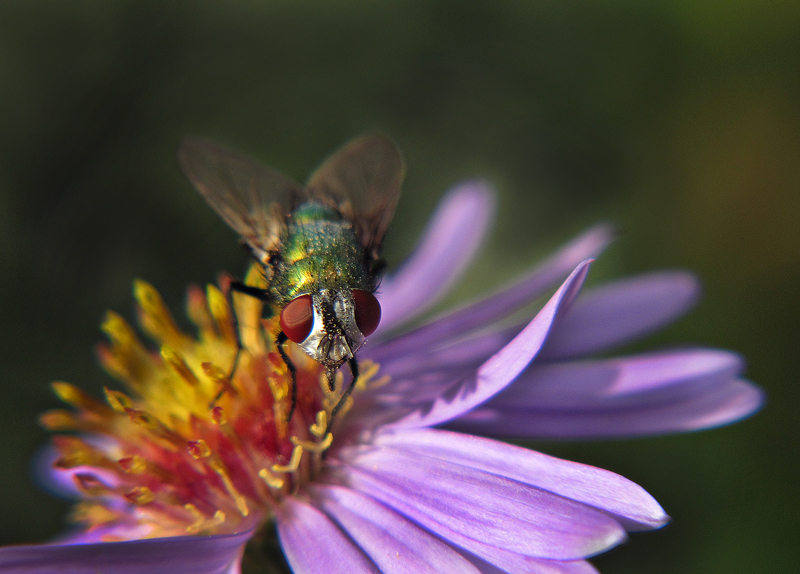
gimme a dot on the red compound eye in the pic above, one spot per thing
(368, 311)
(297, 318)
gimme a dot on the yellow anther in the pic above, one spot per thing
(368, 370)
(197, 516)
(192, 509)
(221, 312)
(214, 372)
(278, 385)
(271, 480)
(117, 329)
(118, 401)
(58, 420)
(199, 449)
(154, 316)
(75, 452)
(92, 513)
(318, 428)
(314, 446)
(294, 463)
(133, 464)
(177, 362)
(219, 518)
(241, 503)
(140, 495)
(72, 395)
(218, 416)
(200, 521)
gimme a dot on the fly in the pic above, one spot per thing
(319, 244)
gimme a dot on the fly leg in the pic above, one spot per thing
(261, 295)
(282, 339)
(354, 370)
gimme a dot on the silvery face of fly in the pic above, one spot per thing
(319, 244)
(334, 336)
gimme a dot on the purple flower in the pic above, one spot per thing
(196, 463)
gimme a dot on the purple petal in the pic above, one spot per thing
(454, 234)
(394, 543)
(637, 380)
(645, 394)
(723, 405)
(486, 311)
(312, 543)
(176, 555)
(524, 564)
(504, 366)
(622, 311)
(626, 501)
(480, 511)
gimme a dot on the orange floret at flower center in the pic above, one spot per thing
(190, 448)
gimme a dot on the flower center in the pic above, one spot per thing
(201, 443)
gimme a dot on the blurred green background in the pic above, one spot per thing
(679, 121)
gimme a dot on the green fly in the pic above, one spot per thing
(319, 244)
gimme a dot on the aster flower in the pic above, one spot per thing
(176, 474)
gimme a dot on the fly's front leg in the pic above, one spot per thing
(257, 293)
(282, 339)
(354, 371)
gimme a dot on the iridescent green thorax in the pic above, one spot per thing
(320, 251)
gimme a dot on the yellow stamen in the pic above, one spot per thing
(318, 428)
(271, 480)
(314, 446)
(294, 462)
(241, 503)
(200, 521)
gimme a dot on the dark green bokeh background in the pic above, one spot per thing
(680, 121)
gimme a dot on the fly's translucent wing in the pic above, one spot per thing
(363, 181)
(250, 198)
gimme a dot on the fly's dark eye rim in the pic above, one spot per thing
(368, 311)
(297, 318)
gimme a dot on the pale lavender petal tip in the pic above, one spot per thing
(626, 501)
(622, 311)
